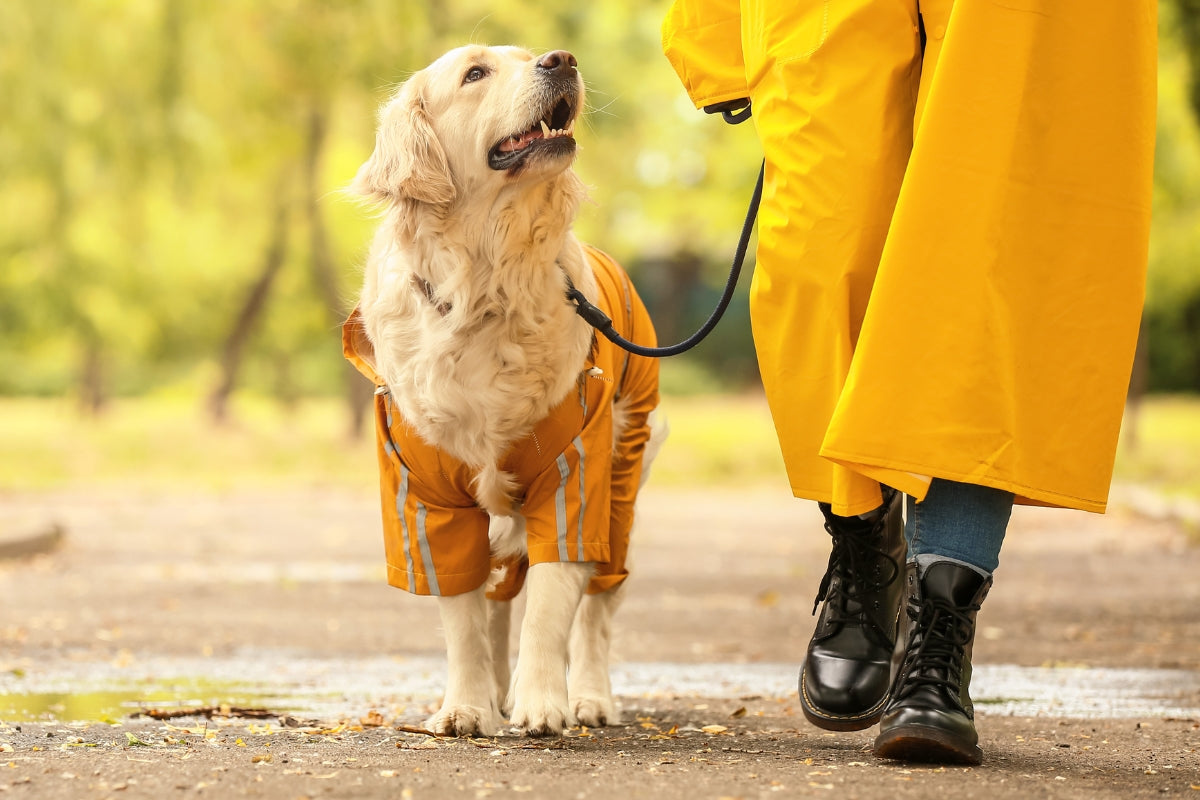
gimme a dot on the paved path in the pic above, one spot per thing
(229, 589)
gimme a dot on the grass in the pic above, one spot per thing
(1160, 446)
(167, 443)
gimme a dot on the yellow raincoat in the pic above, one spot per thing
(952, 243)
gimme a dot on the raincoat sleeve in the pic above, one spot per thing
(702, 39)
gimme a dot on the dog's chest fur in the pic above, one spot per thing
(475, 355)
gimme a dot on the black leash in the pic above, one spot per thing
(734, 114)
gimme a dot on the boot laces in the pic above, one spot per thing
(942, 632)
(860, 560)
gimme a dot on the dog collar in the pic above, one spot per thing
(573, 295)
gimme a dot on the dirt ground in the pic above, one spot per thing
(718, 577)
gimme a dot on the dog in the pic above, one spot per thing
(512, 440)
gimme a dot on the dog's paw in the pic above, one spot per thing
(595, 712)
(506, 703)
(542, 717)
(463, 721)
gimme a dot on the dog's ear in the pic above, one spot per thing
(408, 161)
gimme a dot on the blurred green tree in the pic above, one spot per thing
(171, 216)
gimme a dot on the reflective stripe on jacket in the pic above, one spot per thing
(577, 486)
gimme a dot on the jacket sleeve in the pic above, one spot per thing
(702, 39)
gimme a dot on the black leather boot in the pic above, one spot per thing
(930, 717)
(848, 669)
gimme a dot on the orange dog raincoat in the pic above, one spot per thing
(578, 485)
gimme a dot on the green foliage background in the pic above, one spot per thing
(152, 151)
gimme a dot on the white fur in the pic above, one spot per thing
(463, 300)
(469, 707)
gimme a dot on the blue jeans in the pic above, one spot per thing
(961, 521)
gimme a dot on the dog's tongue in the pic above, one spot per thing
(520, 142)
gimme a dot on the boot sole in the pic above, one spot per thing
(838, 722)
(927, 745)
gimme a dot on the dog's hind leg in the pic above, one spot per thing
(590, 688)
(470, 707)
(539, 688)
(499, 627)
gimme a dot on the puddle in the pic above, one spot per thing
(331, 689)
(108, 706)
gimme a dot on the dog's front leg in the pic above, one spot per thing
(591, 636)
(539, 689)
(470, 705)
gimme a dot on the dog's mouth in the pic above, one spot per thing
(553, 134)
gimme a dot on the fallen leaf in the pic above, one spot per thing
(768, 598)
(741, 712)
(714, 729)
(134, 741)
(264, 758)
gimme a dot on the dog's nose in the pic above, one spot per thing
(557, 61)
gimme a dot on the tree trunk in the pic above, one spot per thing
(357, 391)
(252, 308)
(92, 395)
(1189, 25)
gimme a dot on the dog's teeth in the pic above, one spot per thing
(545, 128)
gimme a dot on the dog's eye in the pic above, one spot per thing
(475, 74)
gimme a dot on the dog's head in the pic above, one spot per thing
(477, 116)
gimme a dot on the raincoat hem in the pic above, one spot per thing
(449, 584)
(855, 506)
(901, 475)
(548, 552)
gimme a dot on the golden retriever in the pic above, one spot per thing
(464, 324)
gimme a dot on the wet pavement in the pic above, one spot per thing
(1087, 658)
(334, 689)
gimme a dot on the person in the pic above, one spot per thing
(950, 272)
